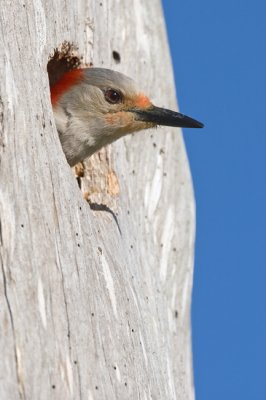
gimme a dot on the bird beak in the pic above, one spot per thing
(162, 116)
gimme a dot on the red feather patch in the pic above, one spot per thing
(68, 80)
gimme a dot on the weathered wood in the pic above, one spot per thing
(93, 305)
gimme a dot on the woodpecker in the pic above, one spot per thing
(96, 106)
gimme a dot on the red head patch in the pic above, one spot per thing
(141, 101)
(68, 80)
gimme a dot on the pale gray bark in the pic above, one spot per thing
(90, 307)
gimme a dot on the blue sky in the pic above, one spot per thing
(219, 55)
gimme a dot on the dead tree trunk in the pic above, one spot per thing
(94, 302)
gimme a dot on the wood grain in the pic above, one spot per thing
(93, 304)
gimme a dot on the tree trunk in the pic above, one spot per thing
(94, 301)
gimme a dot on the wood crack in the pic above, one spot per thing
(103, 207)
(21, 388)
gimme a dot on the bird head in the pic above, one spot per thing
(95, 106)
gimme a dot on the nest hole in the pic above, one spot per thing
(63, 59)
(116, 57)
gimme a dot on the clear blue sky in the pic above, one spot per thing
(219, 56)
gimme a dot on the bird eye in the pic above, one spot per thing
(112, 96)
